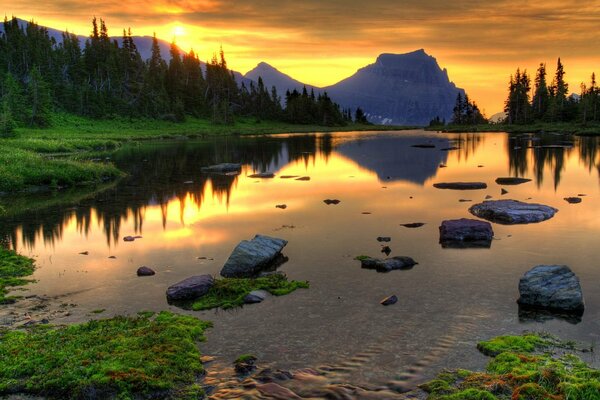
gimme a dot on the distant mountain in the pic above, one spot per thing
(400, 89)
(273, 77)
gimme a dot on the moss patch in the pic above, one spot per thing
(13, 269)
(528, 367)
(121, 357)
(230, 292)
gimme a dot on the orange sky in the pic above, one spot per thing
(323, 41)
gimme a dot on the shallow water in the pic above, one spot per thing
(449, 301)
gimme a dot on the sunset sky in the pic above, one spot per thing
(323, 41)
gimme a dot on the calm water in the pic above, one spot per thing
(452, 299)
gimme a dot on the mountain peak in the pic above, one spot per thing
(398, 60)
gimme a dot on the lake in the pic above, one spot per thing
(190, 222)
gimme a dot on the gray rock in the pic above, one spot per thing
(389, 264)
(222, 168)
(386, 239)
(510, 212)
(388, 301)
(512, 181)
(256, 296)
(331, 201)
(460, 185)
(145, 271)
(413, 225)
(251, 256)
(462, 232)
(552, 287)
(190, 288)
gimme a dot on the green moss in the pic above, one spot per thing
(519, 344)
(230, 292)
(99, 311)
(13, 268)
(244, 358)
(361, 258)
(525, 367)
(120, 357)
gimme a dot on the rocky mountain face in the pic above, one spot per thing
(399, 89)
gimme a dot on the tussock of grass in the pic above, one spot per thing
(121, 357)
(230, 292)
(13, 268)
(20, 169)
(519, 371)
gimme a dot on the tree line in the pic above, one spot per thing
(550, 102)
(105, 78)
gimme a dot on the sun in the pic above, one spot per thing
(178, 31)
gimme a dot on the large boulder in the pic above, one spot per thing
(190, 288)
(460, 185)
(466, 233)
(251, 256)
(552, 287)
(511, 212)
(387, 265)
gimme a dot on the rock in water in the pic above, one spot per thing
(256, 296)
(190, 288)
(573, 200)
(331, 201)
(388, 301)
(145, 271)
(510, 212)
(466, 233)
(460, 185)
(512, 181)
(222, 168)
(263, 175)
(389, 264)
(413, 225)
(552, 287)
(251, 256)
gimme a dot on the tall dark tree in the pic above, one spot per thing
(541, 96)
(517, 106)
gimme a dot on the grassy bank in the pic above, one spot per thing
(124, 358)
(14, 268)
(230, 292)
(562, 127)
(55, 157)
(528, 367)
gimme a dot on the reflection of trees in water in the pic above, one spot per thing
(541, 152)
(158, 174)
(467, 144)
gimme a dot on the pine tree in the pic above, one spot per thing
(7, 122)
(360, 117)
(541, 97)
(40, 100)
(558, 90)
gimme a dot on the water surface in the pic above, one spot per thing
(449, 301)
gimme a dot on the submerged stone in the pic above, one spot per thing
(222, 168)
(573, 200)
(512, 181)
(552, 287)
(413, 225)
(190, 288)
(510, 212)
(388, 301)
(332, 201)
(256, 296)
(460, 185)
(389, 264)
(251, 256)
(263, 175)
(466, 233)
(145, 271)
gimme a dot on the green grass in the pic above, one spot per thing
(557, 127)
(123, 358)
(244, 358)
(13, 269)
(528, 367)
(22, 169)
(229, 293)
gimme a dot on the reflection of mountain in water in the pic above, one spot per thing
(393, 158)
